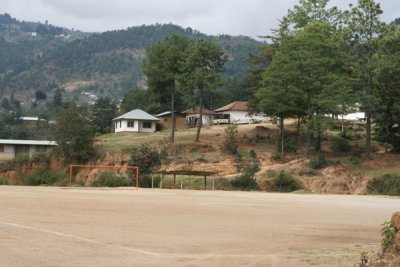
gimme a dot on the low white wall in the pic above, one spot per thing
(8, 153)
(147, 130)
(122, 126)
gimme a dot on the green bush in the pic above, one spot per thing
(148, 159)
(230, 144)
(388, 184)
(388, 236)
(289, 146)
(43, 176)
(248, 166)
(339, 144)
(245, 182)
(110, 179)
(318, 162)
(285, 182)
(3, 181)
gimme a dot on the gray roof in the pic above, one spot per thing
(27, 142)
(166, 113)
(137, 114)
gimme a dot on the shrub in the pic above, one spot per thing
(230, 144)
(248, 167)
(388, 236)
(245, 182)
(356, 157)
(388, 184)
(43, 176)
(3, 181)
(339, 144)
(285, 182)
(290, 146)
(318, 162)
(110, 179)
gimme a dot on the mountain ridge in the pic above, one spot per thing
(105, 64)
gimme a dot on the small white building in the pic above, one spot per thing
(10, 149)
(237, 113)
(193, 115)
(135, 121)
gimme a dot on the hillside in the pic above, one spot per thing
(45, 57)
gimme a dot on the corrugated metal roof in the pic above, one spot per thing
(166, 113)
(197, 111)
(27, 142)
(234, 106)
(137, 114)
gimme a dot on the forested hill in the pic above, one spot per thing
(42, 57)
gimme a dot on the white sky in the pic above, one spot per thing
(234, 17)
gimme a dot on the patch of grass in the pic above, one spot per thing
(388, 184)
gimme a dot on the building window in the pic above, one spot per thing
(120, 124)
(116, 125)
(1, 149)
(147, 125)
(131, 124)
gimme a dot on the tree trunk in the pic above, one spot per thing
(368, 135)
(173, 123)
(297, 131)
(282, 126)
(308, 134)
(200, 124)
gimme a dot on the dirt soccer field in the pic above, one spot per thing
(50, 226)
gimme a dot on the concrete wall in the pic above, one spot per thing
(147, 130)
(8, 152)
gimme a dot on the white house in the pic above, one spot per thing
(236, 113)
(9, 149)
(193, 115)
(135, 121)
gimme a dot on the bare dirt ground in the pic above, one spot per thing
(48, 226)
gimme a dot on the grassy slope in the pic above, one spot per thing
(207, 154)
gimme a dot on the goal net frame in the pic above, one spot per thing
(71, 166)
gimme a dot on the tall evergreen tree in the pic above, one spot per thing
(162, 68)
(365, 29)
(204, 61)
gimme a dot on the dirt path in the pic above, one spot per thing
(42, 226)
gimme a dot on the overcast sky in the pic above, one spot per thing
(234, 17)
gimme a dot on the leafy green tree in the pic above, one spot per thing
(304, 75)
(365, 29)
(57, 98)
(103, 111)
(141, 99)
(204, 61)
(162, 68)
(74, 135)
(387, 116)
(148, 159)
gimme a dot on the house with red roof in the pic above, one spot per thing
(236, 113)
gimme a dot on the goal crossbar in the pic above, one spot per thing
(71, 166)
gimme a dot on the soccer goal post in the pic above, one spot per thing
(135, 168)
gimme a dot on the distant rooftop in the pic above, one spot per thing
(197, 111)
(234, 106)
(27, 142)
(137, 114)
